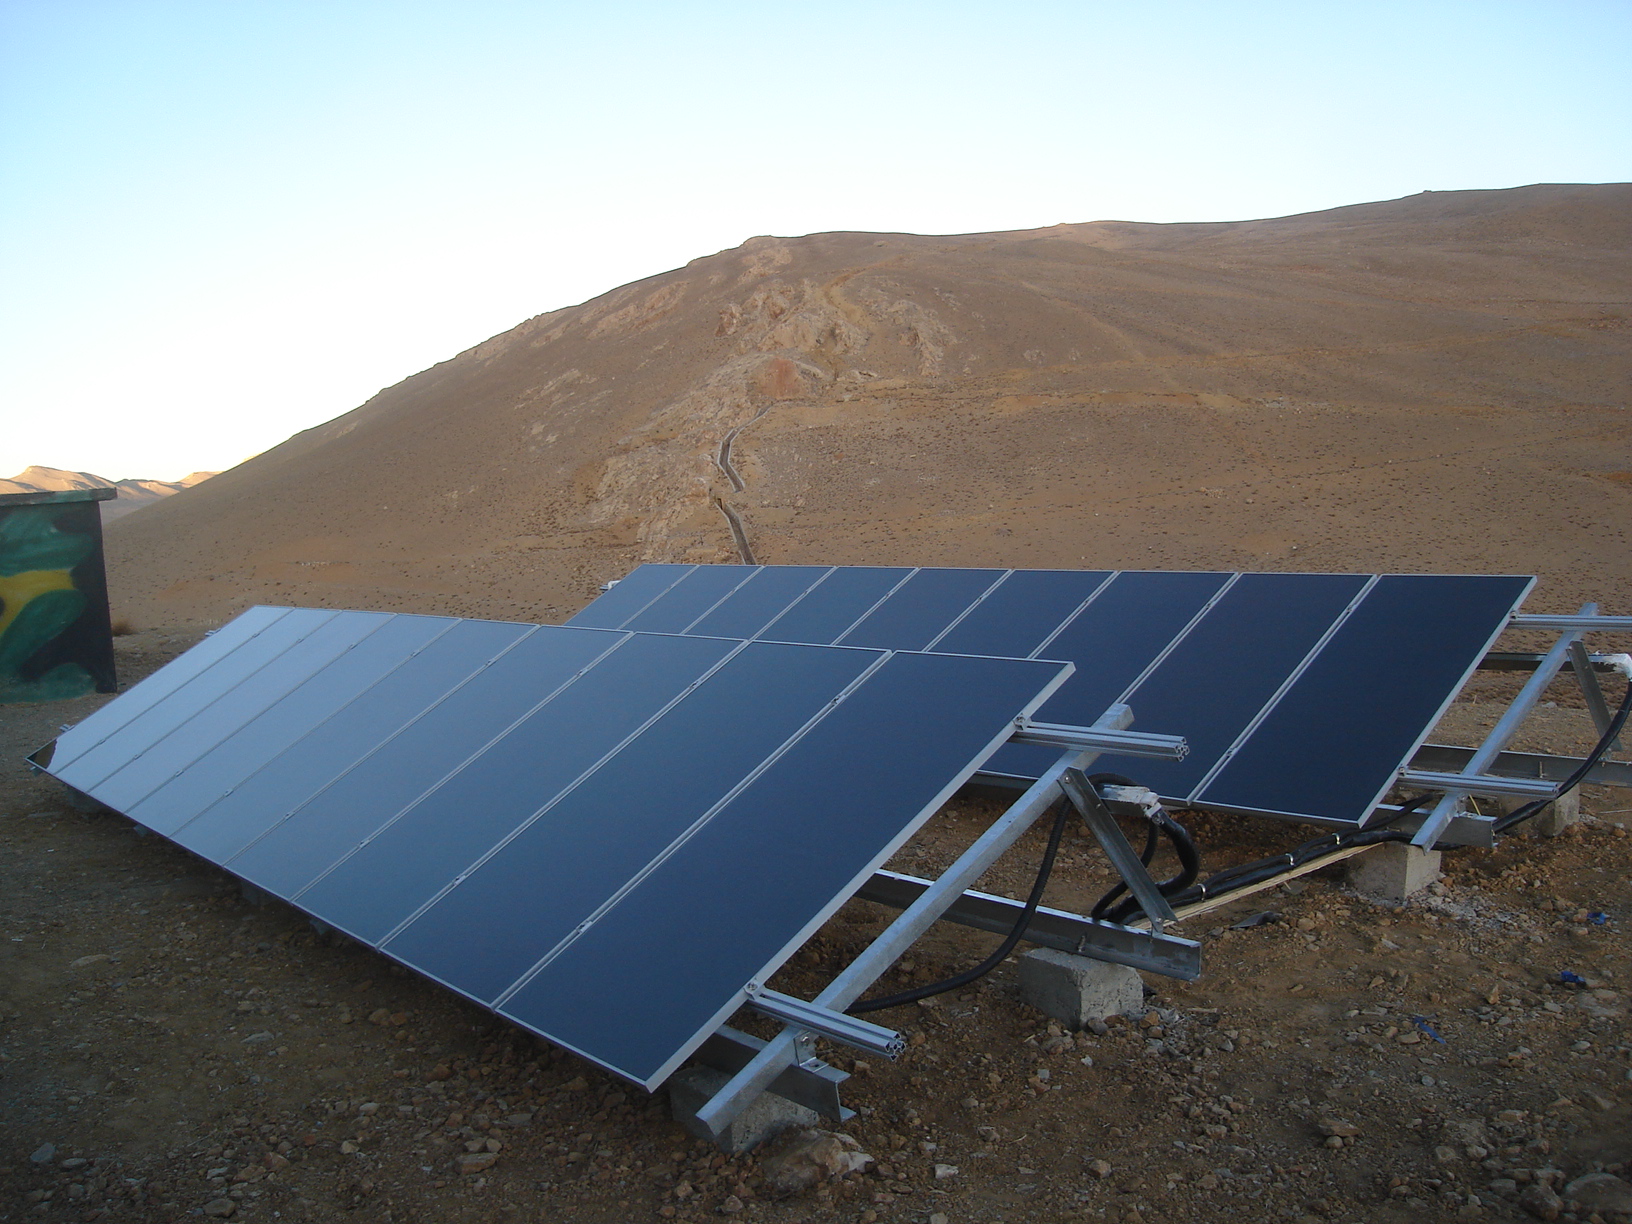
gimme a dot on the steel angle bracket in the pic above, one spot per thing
(788, 1047)
(807, 1081)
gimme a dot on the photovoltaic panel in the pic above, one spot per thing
(1301, 695)
(604, 834)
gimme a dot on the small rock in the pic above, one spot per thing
(731, 1206)
(576, 1084)
(1100, 1168)
(221, 1208)
(1541, 1202)
(1601, 1192)
(44, 1154)
(73, 1162)
(809, 1157)
(439, 1072)
(380, 1016)
(683, 1191)
(939, 1217)
(368, 1108)
(475, 1162)
(944, 1171)
(94, 959)
(256, 1039)
(1337, 1127)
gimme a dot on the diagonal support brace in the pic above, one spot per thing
(1108, 833)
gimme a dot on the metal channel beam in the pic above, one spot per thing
(848, 1030)
(811, 1083)
(1584, 621)
(756, 1075)
(1129, 743)
(1451, 758)
(1523, 661)
(1478, 784)
(1050, 928)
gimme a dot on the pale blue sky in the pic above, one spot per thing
(225, 221)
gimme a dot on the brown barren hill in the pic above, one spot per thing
(1438, 383)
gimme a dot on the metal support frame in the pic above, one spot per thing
(1061, 930)
(791, 1045)
(1473, 779)
(1099, 820)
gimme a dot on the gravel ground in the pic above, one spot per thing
(169, 1050)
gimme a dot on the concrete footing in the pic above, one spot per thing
(1557, 816)
(1077, 989)
(1393, 871)
(770, 1115)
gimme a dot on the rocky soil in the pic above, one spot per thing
(170, 1050)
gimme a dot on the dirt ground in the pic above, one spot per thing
(169, 1050)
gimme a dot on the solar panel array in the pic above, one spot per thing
(603, 835)
(1301, 695)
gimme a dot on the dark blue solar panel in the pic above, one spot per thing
(447, 831)
(1226, 669)
(749, 608)
(629, 596)
(921, 608)
(687, 600)
(192, 700)
(352, 672)
(490, 929)
(1116, 637)
(1024, 610)
(833, 605)
(1371, 695)
(155, 688)
(357, 804)
(262, 801)
(898, 766)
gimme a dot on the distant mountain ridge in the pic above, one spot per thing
(133, 494)
(1436, 383)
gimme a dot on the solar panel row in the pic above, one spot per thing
(1301, 695)
(603, 835)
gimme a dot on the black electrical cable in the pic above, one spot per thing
(1245, 875)
(1062, 815)
(1616, 725)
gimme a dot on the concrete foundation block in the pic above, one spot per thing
(770, 1115)
(1393, 871)
(1557, 816)
(1077, 989)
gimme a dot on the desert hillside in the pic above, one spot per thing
(133, 494)
(1436, 383)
